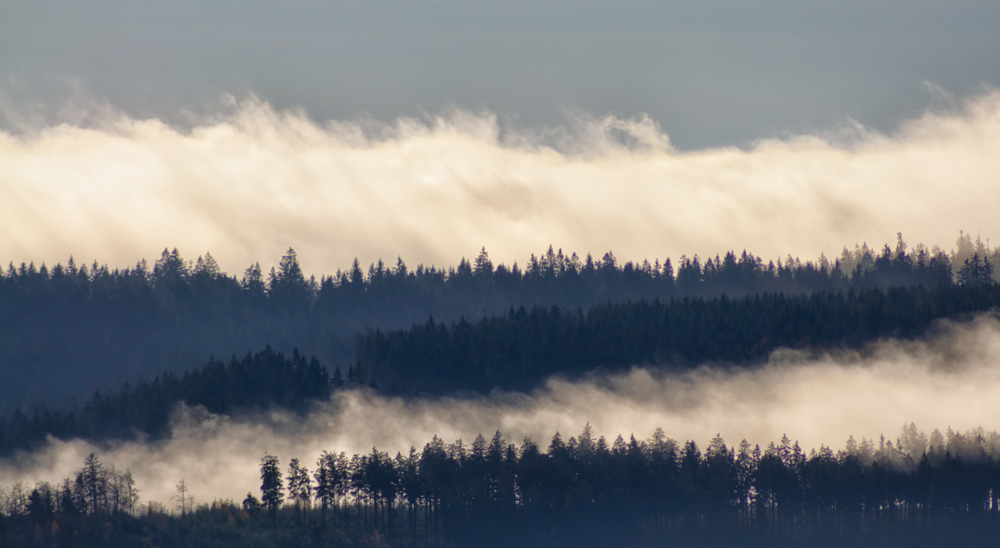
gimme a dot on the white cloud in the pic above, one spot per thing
(249, 183)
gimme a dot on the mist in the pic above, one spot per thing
(249, 181)
(948, 379)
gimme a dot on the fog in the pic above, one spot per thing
(949, 379)
(247, 181)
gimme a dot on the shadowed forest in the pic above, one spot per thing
(74, 333)
(67, 330)
(514, 351)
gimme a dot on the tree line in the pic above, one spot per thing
(256, 382)
(520, 349)
(585, 491)
(66, 330)
(56, 511)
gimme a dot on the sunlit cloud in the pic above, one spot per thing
(250, 181)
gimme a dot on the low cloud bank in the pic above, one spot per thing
(949, 379)
(250, 181)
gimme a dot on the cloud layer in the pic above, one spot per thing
(950, 379)
(251, 181)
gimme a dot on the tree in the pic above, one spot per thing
(132, 491)
(207, 267)
(251, 505)
(289, 275)
(253, 281)
(41, 504)
(184, 500)
(976, 271)
(325, 483)
(271, 485)
(170, 269)
(483, 266)
(67, 501)
(299, 486)
(91, 484)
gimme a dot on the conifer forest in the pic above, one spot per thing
(195, 340)
(494, 274)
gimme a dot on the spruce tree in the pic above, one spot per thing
(271, 485)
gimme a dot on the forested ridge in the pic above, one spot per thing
(520, 349)
(523, 347)
(516, 351)
(66, 330)
(257, 382)
(919, 490)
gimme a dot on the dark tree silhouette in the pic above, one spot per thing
(976, 271)
(141, 321)
(271, 485)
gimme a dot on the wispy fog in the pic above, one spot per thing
(250, 181)
(949, 379)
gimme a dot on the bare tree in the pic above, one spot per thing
(184, 500)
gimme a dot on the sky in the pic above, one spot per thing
(713, 73)
(431, 130)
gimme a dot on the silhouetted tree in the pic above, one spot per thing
(299, 486)
(184, 501)
(976, 271)
(271, 485)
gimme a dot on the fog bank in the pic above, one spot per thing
(949, 379)
(250, 181)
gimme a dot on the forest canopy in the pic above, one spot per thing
(475, 328)
(641, 315)
(69, 329)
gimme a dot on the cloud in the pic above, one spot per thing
(248, 181)
(951, 378)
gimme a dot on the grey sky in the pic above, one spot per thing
(711, 72)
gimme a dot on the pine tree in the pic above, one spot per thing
(483, 266)
(271, 485)
(325, 483)
(91, 484)
(299, 486)
(976, 271)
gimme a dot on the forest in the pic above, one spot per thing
(67, 330)
(516, 351)
(918, 490)
(519, 350)
(257, 382)
(117, 352)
